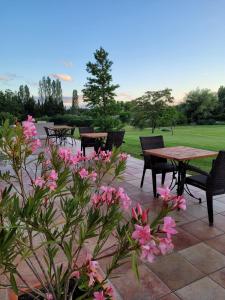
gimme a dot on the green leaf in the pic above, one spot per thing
(13, 284)
(135, 265)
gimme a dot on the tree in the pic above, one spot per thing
(200, 105)
(75, 101)
(99, 92)
(149, 108)
(50, 96)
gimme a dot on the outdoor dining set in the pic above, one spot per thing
(157, 158)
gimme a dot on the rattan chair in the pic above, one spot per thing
(213, 183)
(86, 142)
(114, 139)
(156, 164)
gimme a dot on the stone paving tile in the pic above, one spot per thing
(219, 221)
(201, 230)
(170, 297)
(204, 258)
(196, 210)
(182, 217)
(150, 286)
(183, 240)
(175, 271)
(218, 206)
(219, 277)
(203, 289)
(217, 243)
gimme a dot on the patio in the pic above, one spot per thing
(196, 267)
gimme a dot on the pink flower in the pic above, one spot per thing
(35, 144)
(49, 296)
(124, 198)
(52, 185)
(149, 251)
(30, 119)
(109, 291)
(99, 296)
(53, 175)
(65, 154)
(139, 209)
(164, 192)
(168, 226)
(142, 234)
(83, 173)
(165, 245)
(105, 155)
(39, 181)
(139, 214)
(93, 176)
(181, 203)
(134, 214)
(123, 156)
(76, 274)
(96, 199)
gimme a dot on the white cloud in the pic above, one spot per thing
(68, 63)
(64, 77)
(8, 77)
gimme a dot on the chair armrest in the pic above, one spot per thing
(195, 169)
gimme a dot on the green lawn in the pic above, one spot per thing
(204, 137)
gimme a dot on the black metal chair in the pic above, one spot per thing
(50, 135)
(213, 183)
(86, 142)
(114, 139)
(156, 164)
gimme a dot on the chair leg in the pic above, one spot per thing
(154, 184)
(163, 178)
(83, 151)
(143, 177)
(209, 199)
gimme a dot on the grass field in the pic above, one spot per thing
(204, 137)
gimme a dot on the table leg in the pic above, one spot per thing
(181, 178)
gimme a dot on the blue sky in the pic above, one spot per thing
(154, 44)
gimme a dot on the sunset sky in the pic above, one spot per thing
(154, 44)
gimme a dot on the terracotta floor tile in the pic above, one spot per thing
(150, 286)
(204, 258)
(196, 210)
(182, 217)
(201, 230)
(183, 239)
(203, 289)
(219, 221)
(219, 277)
(175, 270)
(217, 243)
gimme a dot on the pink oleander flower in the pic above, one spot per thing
(96, 199)
(65, 154)
(181, 203)
(107, 195)
(53, 175)
(142, 234)
(124, 198)
(30, 119)
(168, 226)
(83, 173)
(99, 296)
(164, 193)
(93, 175)
(165, 245)
(47, 163)
(39, 181)
(139, 214)
(105, 155)
(149, 251)
(49, 296)
(52, 185)
(109, 291)
(35, 144)
(123, 156)
(134, 214)
(92, 270)
(76, 274)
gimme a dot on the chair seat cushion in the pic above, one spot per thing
(197, 181)
(164, 167)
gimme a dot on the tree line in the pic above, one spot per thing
(153, 109)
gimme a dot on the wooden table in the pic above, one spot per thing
(94, 135)
(181, 156)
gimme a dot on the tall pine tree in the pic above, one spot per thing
(99, 92)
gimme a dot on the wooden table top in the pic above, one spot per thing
(59, 127)
(94, 135)
(181, 153)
